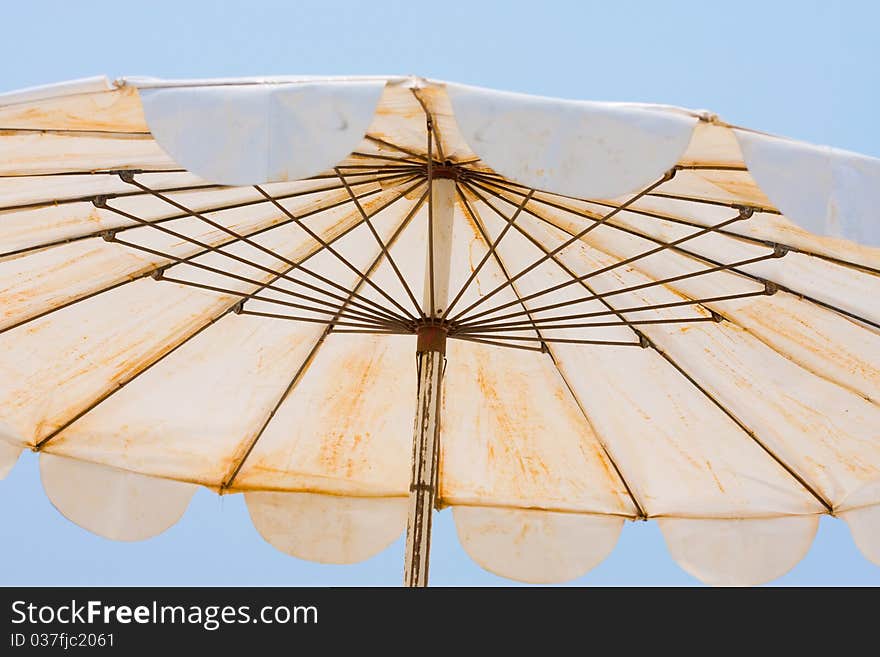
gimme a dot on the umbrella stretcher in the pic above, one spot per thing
(358, 300)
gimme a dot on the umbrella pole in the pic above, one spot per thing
(426, 445)
(430, 360)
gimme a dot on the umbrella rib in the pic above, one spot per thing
(88, 199)
(330, 249)
(524, 338)
(39, 445)
(432, 125)
(743, 214)
(712, 167)
(95, 172)
(622, 322)
(768, 289)
(480, 326)
(382, 167)
(384, 248)
(494, 177)
(539, 246)
(80, 132)
(334, 321)
(668, 176)
(218, 250)
(536, 243)
(734, 267)
(353, 315)
(475, 217)
(388, 158)
(116, 172)
(749, 432)
(218, 208)
(744, 238)
(371, 331)
(506, 345)
(492, 247)
(229, 479)
(545, 348)
(152, 270)
(402, 149)
(264, 249)
(707, 201)
(159, 274)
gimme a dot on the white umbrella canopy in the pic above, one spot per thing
(594, 312)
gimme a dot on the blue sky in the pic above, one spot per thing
(809, 70)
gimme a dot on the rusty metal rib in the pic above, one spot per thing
(777, 252)
(493, 246)
(611, 267)
(746, 238)
(351, 314)
(663, 216)
(230, 477)
(432, 125)
(159, 275)
(829, 508)
(401, 149)
(693, 254)
(223, 273)
(604, 313)
(384, 247)
(153, 270)
(244, 239)
(546, 348)
(564, 245)
(213, 209)
(329, 248)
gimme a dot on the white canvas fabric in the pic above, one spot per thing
(113, 503)
(651, 315)
(278, 132)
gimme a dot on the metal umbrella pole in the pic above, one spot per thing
(430, 358)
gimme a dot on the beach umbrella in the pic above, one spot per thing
(358, 300)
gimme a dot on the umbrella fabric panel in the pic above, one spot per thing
(59, 365)
(769, 393)
(9, 453)
(679, 453)
(94, 108)
(344, 428)
(539, 547)
(192, 415)
(113, 503)
(864, 524)
(743, 552)
(31, 153)
(515, 437)
(327, 528)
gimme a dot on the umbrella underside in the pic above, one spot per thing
(683, 351)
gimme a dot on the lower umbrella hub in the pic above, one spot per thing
(431, 338)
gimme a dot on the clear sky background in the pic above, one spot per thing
(809, 70)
